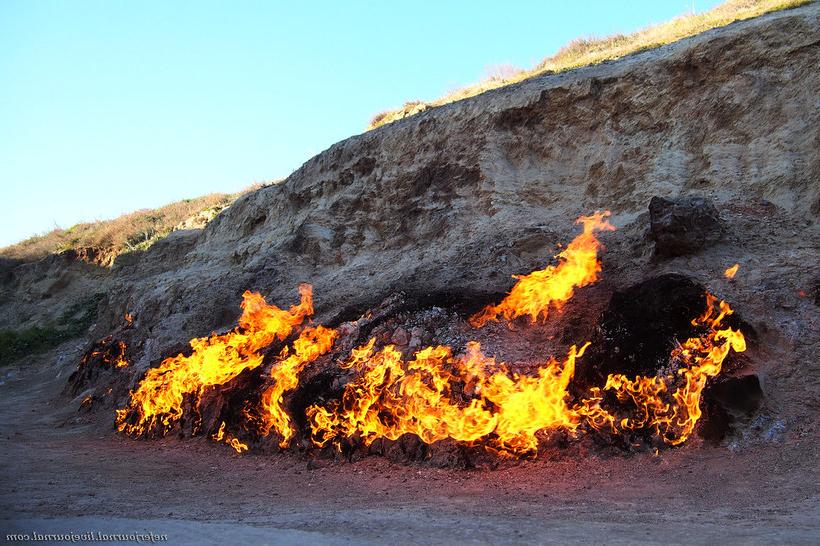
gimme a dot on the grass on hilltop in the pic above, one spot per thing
(104, 240)
(589, 51)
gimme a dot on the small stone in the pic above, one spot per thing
(400, 337)
(416, 334)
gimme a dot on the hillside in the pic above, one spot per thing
(589, 51)
(102, 241)
(461, 198)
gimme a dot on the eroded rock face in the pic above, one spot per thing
(461, 197)
(684, 225)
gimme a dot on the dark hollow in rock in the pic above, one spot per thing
(741, 395)
(637, 332)
(684, 225)
(640, 326)
(728, 402)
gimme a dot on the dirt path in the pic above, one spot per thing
(60, 477)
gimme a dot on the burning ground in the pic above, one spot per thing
(448, 239)
(265, 380)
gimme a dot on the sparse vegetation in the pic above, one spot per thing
(102, 241)
(37, 339)
(589, 51)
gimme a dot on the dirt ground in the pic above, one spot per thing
(59, 477)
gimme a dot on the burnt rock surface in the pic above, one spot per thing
(684, 225)
(459, 198)
(641, 325)
(729, 402)
(100, 359)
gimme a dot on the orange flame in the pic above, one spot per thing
(672, 414)
(157, 402)
(436, 396)
(222, 436)
(129, 319)
(731, 271)
(533, 294)
(109, 352)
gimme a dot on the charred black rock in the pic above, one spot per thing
(684, 225)
(641, 325)
(728, 402)
(326, 385)
(103, 358)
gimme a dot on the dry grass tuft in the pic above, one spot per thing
(590, 51)
(102, 241)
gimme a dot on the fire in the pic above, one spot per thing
(473, 399)
(119, 360)
(129, 319)
(311, 344)
(436, 396)
(670, 405)
(222, 436)
(731, 271)
(157, 403)
(533, 294)
(107, 352)
(437, 393)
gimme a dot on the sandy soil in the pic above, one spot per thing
(59, 476)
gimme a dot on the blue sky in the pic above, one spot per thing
(111, 106)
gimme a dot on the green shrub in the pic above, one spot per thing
(72, 323)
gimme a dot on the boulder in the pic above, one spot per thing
(684, 225)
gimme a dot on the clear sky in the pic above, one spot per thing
(111, 106)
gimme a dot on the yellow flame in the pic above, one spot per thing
(215, 360)
(436, 396)
(222, 436)
(311, 344)
(533, 294)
